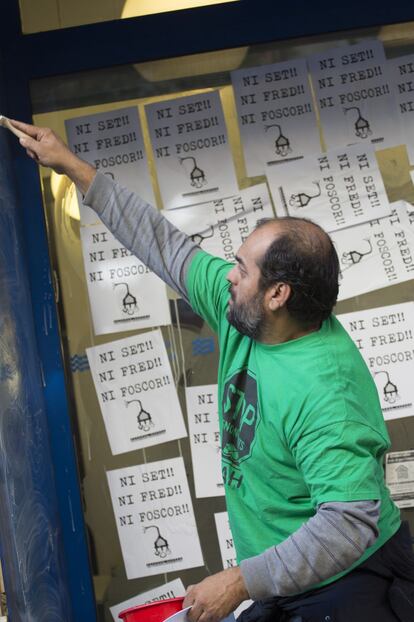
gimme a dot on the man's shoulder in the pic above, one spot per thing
(208, 288)
(207, 275)
(206, 262)
(335, 337)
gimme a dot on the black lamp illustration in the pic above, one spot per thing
(361, 126)
(144, 419)
(129, 302)
(160, 544)
(350, 258)
(197, 176)
(302, 199)
(198, 238)
(390, 389)
(282, 144)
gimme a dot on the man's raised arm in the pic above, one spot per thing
(141, 228)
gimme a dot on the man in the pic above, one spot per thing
(303, 437)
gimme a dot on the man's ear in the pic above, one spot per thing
(277, 296)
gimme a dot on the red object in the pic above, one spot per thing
(153, 612)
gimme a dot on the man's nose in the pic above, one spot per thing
(231, 275)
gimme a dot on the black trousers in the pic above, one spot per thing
(379, 590)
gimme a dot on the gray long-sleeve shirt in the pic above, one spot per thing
(339, 532)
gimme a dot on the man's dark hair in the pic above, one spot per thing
(303, 256)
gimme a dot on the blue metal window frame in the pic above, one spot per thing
(40, 55)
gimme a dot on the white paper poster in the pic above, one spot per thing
(172, 589)
(123, 293)
(402, 70)
(276, 114)
(155, 518)
(191, 149)
(225, 538)
(220, 227)
(136, 392)
(375, 254)
(399, 476)
(409, 208)
(202, 412)
(228, 553)
(112, 142)
(355, 95)
(385, 339)
(337, 189)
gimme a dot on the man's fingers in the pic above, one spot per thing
(188, 599)
(31, 130)
(30, 144)
(32, 155)
(195, 613)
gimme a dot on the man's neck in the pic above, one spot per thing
(285, 328)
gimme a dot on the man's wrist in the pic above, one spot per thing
(240, 584)
(80, 172)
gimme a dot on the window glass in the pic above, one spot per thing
(190, 344)
(45, 15)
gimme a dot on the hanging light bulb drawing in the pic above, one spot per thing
(198, 238)
(302, 199)
(129, 302)
(160, 544)
(390, 390)
(361, 126)
(197, 176)
(282, 144)
(144, 419)
(351, 258)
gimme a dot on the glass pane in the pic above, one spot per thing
(191, 346)
(45, 15)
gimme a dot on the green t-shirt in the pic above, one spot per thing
(300, 423)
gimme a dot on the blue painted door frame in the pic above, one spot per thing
(28, 57)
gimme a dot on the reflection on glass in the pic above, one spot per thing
(136, 8)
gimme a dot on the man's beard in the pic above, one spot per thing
(248, 317)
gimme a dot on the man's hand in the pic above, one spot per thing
(48, 149)
(214, 598)
(44, 146)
